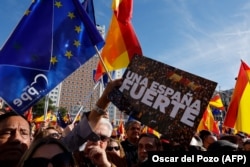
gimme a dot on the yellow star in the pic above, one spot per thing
(71, 15)
(68, 54)
(53, 60)
(77, 43)
(27, 12)
(78, 29)
(58, 4)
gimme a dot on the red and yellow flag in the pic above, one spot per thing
(121, 42)
(49, 118)
(238, 113)
(208, 123)
(29, 115)
(147, 129)
(217, 102)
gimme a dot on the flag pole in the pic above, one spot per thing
(46, 105)
(103, 64)
(82, 107)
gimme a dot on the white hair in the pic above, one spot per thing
(107, 123)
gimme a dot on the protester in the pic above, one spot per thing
(94, 153)
(15, 138)
(207, 138)
(147, 142)
(196, 144)
(45, 151)
(83, 131)
(49, 131)
(15, 131)
(246, 145)
(115, 146)
(132, 130)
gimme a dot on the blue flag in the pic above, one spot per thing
(74, 41)
(28, 46)
(88, 5)
(60, 120)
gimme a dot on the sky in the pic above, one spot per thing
(208, 38)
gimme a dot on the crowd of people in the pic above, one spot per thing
(92, 143)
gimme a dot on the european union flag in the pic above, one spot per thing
(74, 41)
(88, 5)
(28, 46)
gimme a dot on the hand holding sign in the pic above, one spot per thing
(163, 97)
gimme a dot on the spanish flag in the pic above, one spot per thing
(217, 102)
(147, 129)
(238, 113)
(208, 123)
(121, 42)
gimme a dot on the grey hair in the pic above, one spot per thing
(107, 123)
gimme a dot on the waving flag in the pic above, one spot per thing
(149, 130)
(73, 41)
(121, 42)
(29, 114)
(89, 8)
(50, 117)
(208, 123)
(238, 113)
(217, 102)
(60, 120)
(28, 48)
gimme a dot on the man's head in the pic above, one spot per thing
(104, 130)
(147, 142)
(246, 145)
(207, 138)
(15, 136)
(133, 130)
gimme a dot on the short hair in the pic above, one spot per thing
(11, 114)
(106, 122)
(157, 140)
(204, 133)
(130, 123)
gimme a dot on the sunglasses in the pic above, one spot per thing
(103, 138)
(98, 137)
(59, 160)
(109, 148)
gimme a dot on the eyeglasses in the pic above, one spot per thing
(63, 160)
(109, 148)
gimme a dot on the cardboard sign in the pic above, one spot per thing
(165, 98)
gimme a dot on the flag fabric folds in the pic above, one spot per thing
(60, 120)
(238, 113)
(88, 5)
(149, 130)
(217, 102)
(73, 42)
(208, 123)
(23, 49)
(50, 117)
(29, 115)
(121, 41)
(121, 128)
